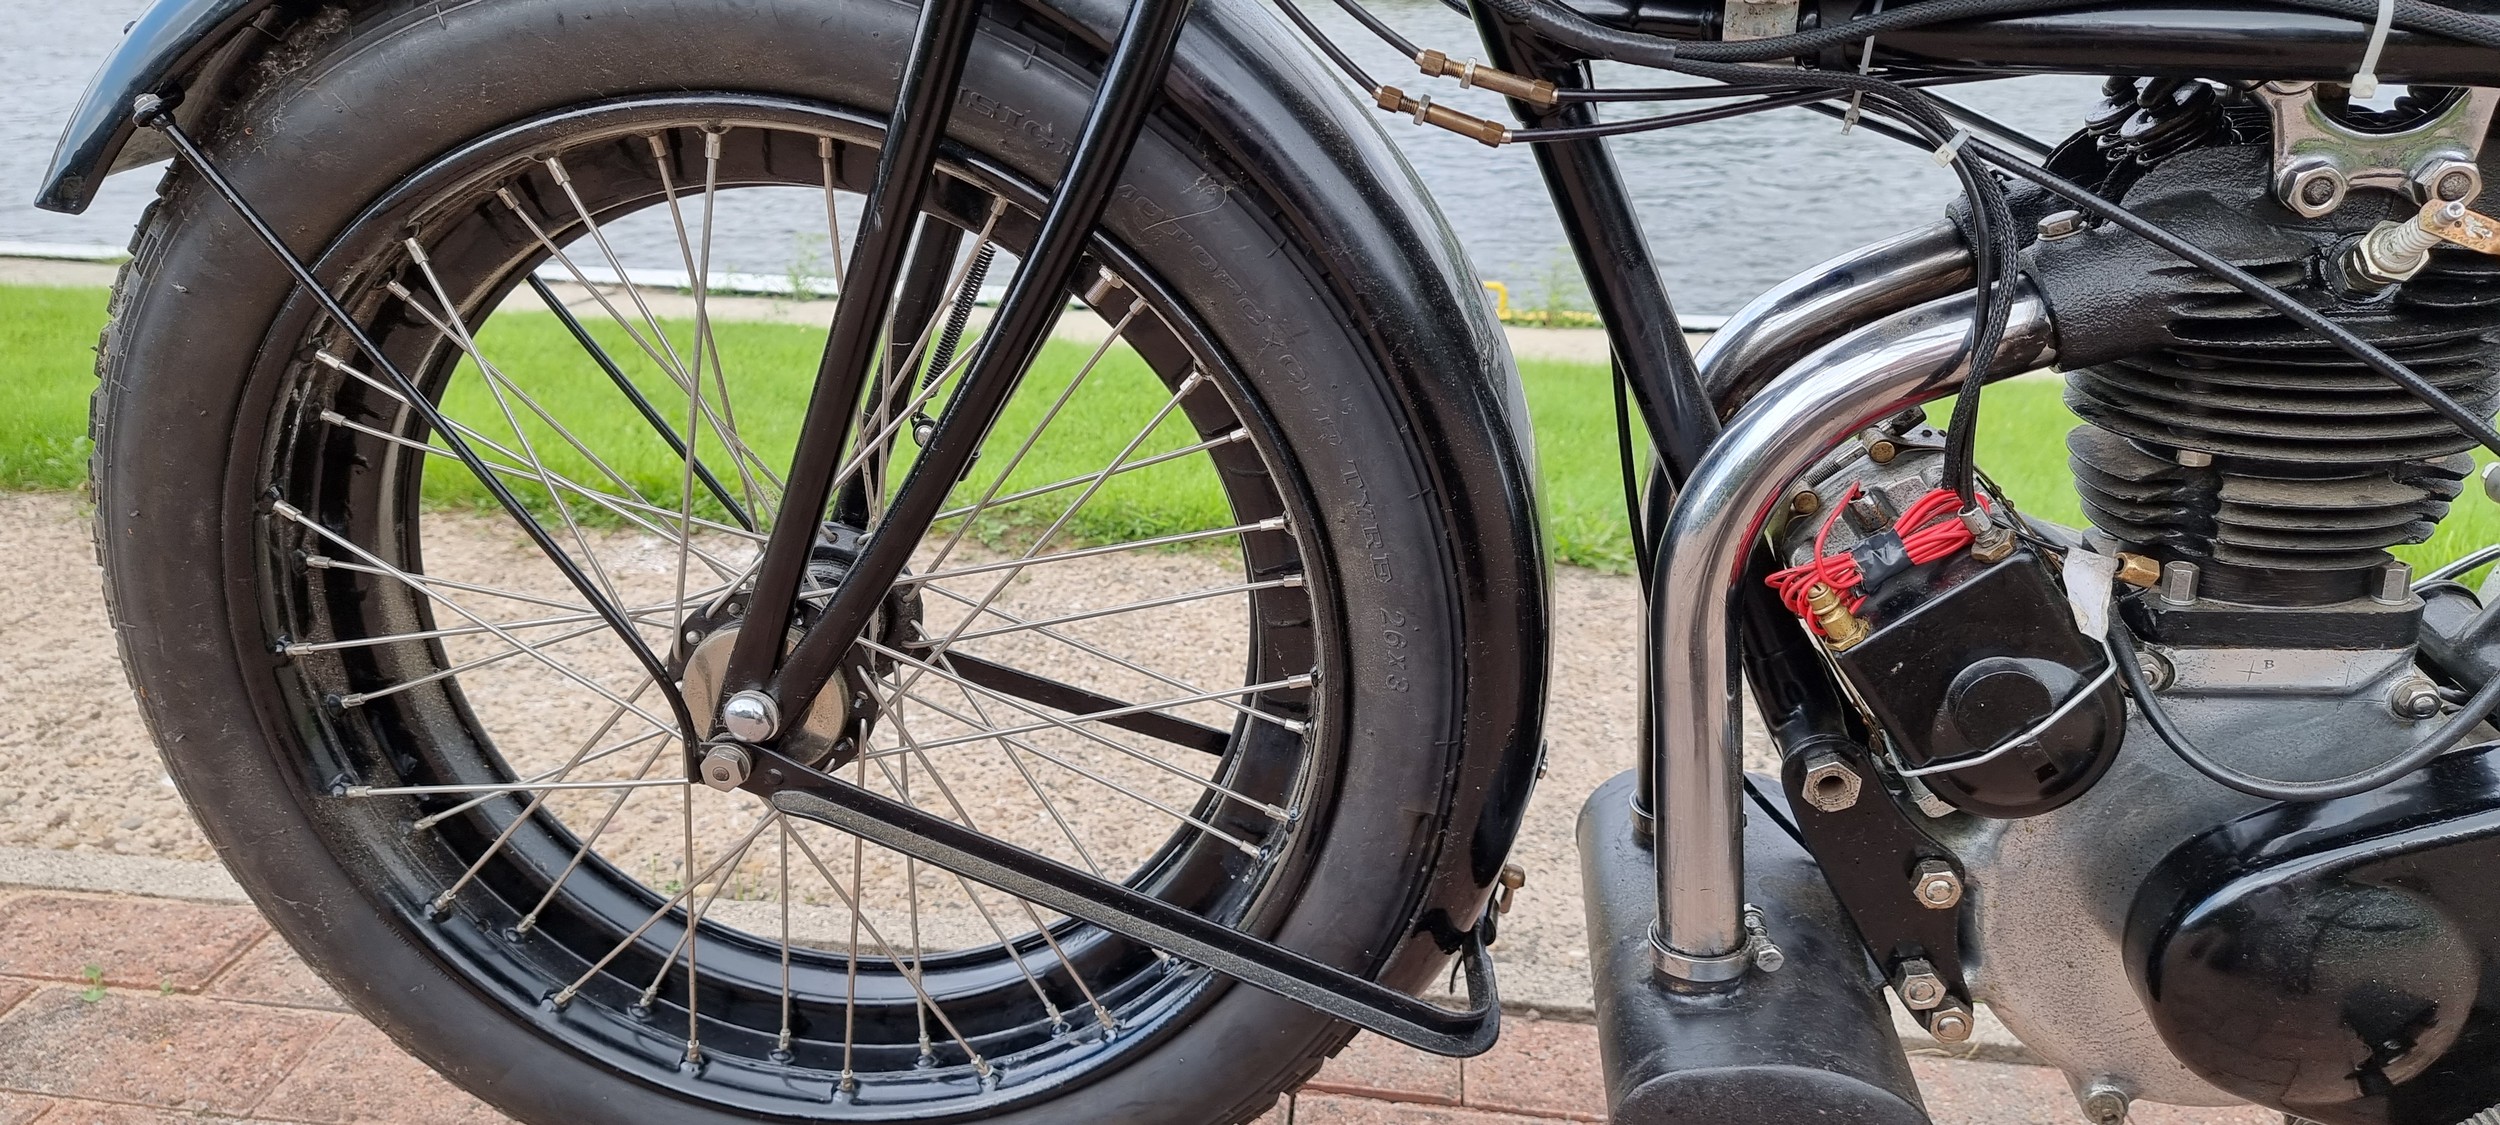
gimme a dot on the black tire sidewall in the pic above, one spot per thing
(345, 110)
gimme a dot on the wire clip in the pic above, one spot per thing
(1951, 150)
(2365, 80)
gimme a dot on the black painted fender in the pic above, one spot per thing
(1260, 96)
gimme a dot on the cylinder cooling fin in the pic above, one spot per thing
(2219, 433)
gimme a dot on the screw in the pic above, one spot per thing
(2105, 1104)
(1830, 785)
(750, 716)
(1936, 884)
(2060, 224)
(2416, 698)
(1950, 1022)
(1766, 955)
(724, 766)
(1920, 988)
(2156, 670)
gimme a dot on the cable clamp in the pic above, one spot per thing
(2365, 81)
(1951, 150)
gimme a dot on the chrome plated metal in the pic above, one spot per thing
(1775, 330)
(2319, 160)
(750, 715)
(1863, 377)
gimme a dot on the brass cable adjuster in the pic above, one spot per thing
(1395, 100)
(1472, 74)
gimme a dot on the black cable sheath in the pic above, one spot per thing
(2411, 15)
(1387, 34)
(1311, 31)
(1631, 482)
(2438, 742)
(1559, 133)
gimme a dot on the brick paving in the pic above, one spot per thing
(118, 1010)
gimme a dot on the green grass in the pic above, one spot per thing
(47, 338)
(47, 369)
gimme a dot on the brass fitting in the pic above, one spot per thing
(1395, 100)
(1534, 91)
(1841, 629)
(2139, 571)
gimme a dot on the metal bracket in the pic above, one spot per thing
(810, 795)
(2319, 160)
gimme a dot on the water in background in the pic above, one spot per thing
(1731, 207)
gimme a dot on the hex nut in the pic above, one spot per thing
(1936, 884)
(2447, 179)
(2415, 699)
(1920, 988)
(2313, 189)
(725, 766)
(1830, 785)
(1950, 1022)
(2105, 1104)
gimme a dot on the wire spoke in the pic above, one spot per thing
(537, 800)
(290, 512)
(910, 976)
(566, 994)
(1289, 582)
(1072, 482)
(582, 852)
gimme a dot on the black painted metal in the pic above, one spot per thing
(917, 299)
(1811, 1042)
(149, 112)
(941, 42)
(2331, 960)
(802, 792)
(642, 403)
(1078, 701)
(1034, 299)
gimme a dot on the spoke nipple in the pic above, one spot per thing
(399, 291)
(509, 200)
(424, 823)
(562, 997)
(416, 253)
(357, 791)
(1238, 435)
(1272, 523)
(824, 147)
(147, 111)
(711, 143)
(441, 905)
(555, 168)
(527, 923)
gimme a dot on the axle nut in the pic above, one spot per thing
(1951, 1022)
(1936, 884)
(750, 716)
(725, 766)
(1830, 785)
(1920, 988)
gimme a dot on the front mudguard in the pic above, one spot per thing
(1262, 100)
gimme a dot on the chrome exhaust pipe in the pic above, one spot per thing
(1775, 330)
(1695, 740)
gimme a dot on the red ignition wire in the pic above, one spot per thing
(1930, 530)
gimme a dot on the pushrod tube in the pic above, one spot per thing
(1870, 374)
(1131, 84)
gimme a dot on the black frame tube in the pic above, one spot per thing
(1131, 85)
(941, 43)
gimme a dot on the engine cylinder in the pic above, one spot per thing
(2220, 433)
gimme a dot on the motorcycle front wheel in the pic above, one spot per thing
(1153, 636)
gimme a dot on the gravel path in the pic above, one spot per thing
(90, 779)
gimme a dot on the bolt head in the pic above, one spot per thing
(1936, 885)
(1830, 785)
(1950, 1023)
(750, 716)
(724, 766)
(2060, 224)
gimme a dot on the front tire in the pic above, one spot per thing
(217, 415)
